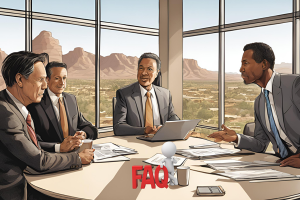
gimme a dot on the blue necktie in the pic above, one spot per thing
(282, 150)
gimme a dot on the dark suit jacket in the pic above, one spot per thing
(18, 151)
(286, 95)
(128, 115)
(47, 126)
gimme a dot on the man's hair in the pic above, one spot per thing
(20, 62)
(54, 64)
(150, 55)
(261, 51)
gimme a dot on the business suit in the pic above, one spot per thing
(128, 115)
(286, 95)
(18, 151)
(48, 128)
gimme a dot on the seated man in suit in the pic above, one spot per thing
(276, 109)
(59, 123)
(141, 106)
(25, 77)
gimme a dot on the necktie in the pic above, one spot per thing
(149, 112)
(63, 118)
(31, 131)
(282, 150)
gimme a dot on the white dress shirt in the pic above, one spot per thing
(55, 103)
(282, 135)
(155, 109)
(21, 108)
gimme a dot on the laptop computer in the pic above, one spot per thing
(172, 130)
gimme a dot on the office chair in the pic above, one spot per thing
(249, 129)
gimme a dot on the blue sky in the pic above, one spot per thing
(196, 14)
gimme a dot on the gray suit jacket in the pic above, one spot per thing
(128, 115)
(286, 94)
(18, 151)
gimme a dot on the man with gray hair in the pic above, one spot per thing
(142, 106)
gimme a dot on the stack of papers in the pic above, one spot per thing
(157, 158)
(206, 153)
(257, 174)
(225, 165)
(108, 152)
(208, 144)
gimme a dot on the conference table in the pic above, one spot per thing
(113, 180)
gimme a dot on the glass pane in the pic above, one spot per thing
(242, 10)
(11, 40)
(14, 4)
(118, 65)
(239, 98)
(75, 46)
(134, 12)
(200, 14)
(74, 8)
(200, 79)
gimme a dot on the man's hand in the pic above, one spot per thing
(80, 134)
(293, 161)
(70, 143)
(86, 156)
(227, 135)
(151, 130)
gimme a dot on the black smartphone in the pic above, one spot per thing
(210, 191)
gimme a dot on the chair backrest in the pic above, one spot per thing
(249, 129)
(157, 80)
(114, 101)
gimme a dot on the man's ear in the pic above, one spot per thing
(265, 64)
(47, 80)
(18, 78)
(157, 73)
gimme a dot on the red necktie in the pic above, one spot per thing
(31, 131)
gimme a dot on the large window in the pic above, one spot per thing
(12, 39)
(200, 79)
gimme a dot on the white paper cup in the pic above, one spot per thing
(183, 175)
(86, 144)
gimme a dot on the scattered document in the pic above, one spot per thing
(256, 174)
(112, 159)
(208, 144)
(157, 158)
(206, 153)
(108, 150)
(224, 165)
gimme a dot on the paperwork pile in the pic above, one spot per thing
(257, 174)
(206, 152)
(108, 152)
(208, 144)
(157, 158)
(225, 165)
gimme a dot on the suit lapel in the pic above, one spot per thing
(136, 95)
(15, 109)
(277, 95)
(160, 101)
(262, 109)
(47, 106)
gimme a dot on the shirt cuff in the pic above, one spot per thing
(239, 139)
(57, 148)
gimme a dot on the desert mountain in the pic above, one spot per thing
(44, 42)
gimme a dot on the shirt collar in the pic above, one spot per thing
(144, 91)
(53, 97)
(269, 85)
(20, 106)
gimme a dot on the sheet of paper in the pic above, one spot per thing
(113, 159)
(157, 158)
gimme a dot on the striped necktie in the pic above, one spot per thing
(282, 150)
(31, 131)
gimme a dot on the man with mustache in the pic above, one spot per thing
(59, 123)
(141, 107)
(277, 116)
